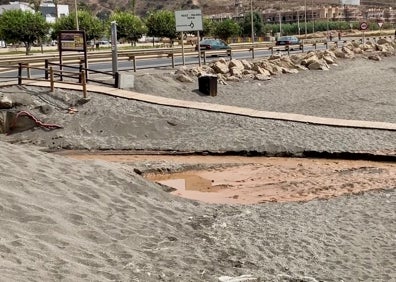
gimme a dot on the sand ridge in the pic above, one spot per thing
(77, 220)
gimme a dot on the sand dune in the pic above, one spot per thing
(96, 221)
(75, 220)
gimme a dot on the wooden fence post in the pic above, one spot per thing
(84, 84)
(20, 74)
(52, 79)
(27, 70)
(134, 63)
(46, 68)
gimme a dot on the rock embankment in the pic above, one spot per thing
(265, 68)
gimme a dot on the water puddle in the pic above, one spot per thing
(259, 180)
(186, 182)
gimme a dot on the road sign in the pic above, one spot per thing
(380, 24)
(188, 20)
(363, 25)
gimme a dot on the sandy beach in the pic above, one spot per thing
(80, 219)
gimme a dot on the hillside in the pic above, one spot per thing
(208, 7)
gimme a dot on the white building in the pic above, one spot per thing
(15, 6)
(51, 11)
(350, 2)
(47, 9)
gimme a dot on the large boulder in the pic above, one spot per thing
(236, 64)
(246, 64)
(309, 59)
(349, 54)
(236, 71)
(375, 57)
(262, 77)
(382, 41)
(261, 70)
(318, 65)
(5, 102)
(220, 67)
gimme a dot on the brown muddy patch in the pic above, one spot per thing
(257, 180)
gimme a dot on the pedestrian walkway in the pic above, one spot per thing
(223, 108)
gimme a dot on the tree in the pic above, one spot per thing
(162, 24)
(129, 26)
(92, 26)
(226, 29)
(246, 25)
(23, 26)
(35, 4)
(208, 27)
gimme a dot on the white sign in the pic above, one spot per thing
(188, 20)
(380, 24)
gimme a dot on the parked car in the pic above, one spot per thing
(212, 44)
(287, 40)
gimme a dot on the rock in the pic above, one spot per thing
(262, 77)
(375, 57)
(241, 278)
(339, 53)
(357, 50)
(318, 65)
(184, 78)
(236, 71)
(236, 64)
(220, 67)
(5, 102)
(329, 60)
(233, 78)
(287, 70)
(261, 70)
(382, 41)
(348, 52)
(246, 65)
(309, 59)
(45, 109)
(248, 72)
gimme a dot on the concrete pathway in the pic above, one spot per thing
(222, 108)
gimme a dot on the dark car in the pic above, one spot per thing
(212, 44)
(287, 40)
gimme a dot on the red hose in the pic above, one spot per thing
(36, 121)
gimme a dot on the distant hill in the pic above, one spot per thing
(208, 7)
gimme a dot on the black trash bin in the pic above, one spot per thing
(207, 84)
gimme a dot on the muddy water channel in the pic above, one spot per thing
(252, 180)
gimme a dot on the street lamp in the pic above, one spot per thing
(313, 20)
(305, 17)
(251, 19)
(75, 7)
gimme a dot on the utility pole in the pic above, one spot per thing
(313, 20)
(305, 18)
(76, 9)
(251, 19)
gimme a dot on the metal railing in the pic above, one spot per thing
(44, 62)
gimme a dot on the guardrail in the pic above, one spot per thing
(171, 53)
(43, 61)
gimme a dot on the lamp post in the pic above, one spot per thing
(76, 9)
(305, 17)
(251, 19)
(313, 20)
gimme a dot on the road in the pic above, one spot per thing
(189, 59)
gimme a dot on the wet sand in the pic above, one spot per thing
(254, 180)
